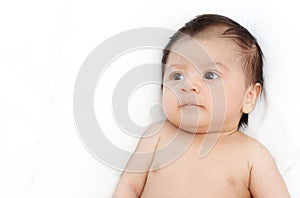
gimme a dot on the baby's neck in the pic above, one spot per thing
(205, 131)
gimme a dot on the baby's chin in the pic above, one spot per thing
(187, 121)
(196, 126)
(190, 129)
(190, 126)
(194, 121)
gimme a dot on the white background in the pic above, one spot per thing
(42, 47)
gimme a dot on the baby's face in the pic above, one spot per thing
(204, 85)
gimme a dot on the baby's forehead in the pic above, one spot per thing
(201, 51)
(213, 34)
(182, 54)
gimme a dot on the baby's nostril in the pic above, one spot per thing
(195, 90)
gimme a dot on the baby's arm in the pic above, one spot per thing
(265, 179)
(131, 183)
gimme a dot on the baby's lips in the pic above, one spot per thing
(183, 104)
(190, 100)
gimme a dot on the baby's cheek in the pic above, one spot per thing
(170, 103)
(234, 101)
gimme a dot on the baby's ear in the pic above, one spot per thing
(251, 96)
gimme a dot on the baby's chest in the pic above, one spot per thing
(225, 170)
(191, 178)
(216, 173)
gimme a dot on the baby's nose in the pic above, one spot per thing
(191, 87)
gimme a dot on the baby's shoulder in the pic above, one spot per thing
(245, 140)
(254, 149)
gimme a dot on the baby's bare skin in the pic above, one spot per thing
(237, 166)
(224, 172)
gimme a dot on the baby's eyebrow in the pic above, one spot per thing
(182, 66)
(219, 64)
(176, 65)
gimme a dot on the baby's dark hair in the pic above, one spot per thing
(251, 54)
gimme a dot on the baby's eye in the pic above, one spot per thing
(177, 76)
(211, 75)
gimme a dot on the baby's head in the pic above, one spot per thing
(223, 76)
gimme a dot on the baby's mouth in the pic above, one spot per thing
(190, 104)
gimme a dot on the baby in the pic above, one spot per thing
(212, 77)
